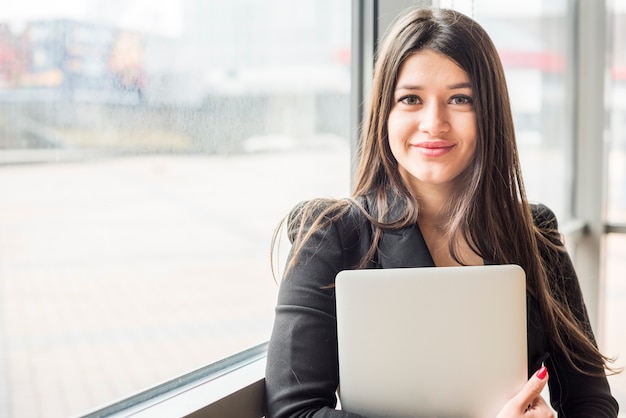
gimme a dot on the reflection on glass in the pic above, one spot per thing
(147, 151)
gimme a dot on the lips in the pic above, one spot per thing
(433, 148)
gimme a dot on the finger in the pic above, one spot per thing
(533, 388)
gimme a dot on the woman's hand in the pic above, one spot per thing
(528, 402)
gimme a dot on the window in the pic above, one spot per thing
(616, 101)
(615, 243)
(147, 152)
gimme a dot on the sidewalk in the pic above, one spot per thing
(117, 275)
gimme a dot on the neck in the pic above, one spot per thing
(432, 201)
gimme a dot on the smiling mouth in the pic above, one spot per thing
(434, 148)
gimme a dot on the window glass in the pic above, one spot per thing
(533, 43)
(147, 152)
(615, 244)
(613, 337)
(616, 108)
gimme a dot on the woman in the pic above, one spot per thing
(438, 184)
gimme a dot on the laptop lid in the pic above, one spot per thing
(432, 341)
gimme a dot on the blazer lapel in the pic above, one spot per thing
(400, 248)
(404, 248)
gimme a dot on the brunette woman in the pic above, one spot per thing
(439, 183)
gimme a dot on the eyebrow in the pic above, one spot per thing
(456, 86)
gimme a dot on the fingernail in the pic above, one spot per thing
(541, 373)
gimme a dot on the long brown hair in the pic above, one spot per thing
(489, 204)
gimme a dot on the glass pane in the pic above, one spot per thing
(147, 152)
(614, 290)
(533, 42)
(616, 101)
(614, 309)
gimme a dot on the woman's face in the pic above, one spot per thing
(432, 123)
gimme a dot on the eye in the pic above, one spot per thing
(461, 100)
(410, 100)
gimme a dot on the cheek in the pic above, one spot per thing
(467, 131)
(395, 135)
(391, 126)
(399, 127)
(470, 126)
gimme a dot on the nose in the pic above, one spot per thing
(434, 119)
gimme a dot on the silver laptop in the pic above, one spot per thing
(431, 342)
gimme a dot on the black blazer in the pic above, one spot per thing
(302, 366)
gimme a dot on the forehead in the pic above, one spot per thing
(429, 66)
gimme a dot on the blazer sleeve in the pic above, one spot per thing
(572, 394)
(302, 363)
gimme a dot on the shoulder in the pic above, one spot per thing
(320, 214)
(329, 233)
(543, 216)
(546, 224)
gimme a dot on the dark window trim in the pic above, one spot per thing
(615, 228)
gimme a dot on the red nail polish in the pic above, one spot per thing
(541, 373)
